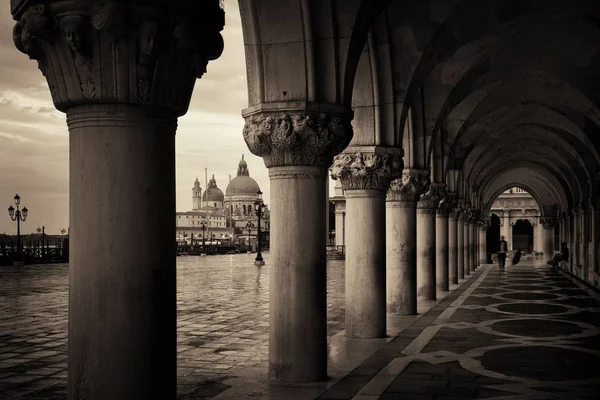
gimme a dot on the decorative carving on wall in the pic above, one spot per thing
(88, 52)
(409, 187)
(297, 138)
(366, 171)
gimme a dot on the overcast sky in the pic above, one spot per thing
(34, 138)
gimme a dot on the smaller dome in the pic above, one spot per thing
(212, 192)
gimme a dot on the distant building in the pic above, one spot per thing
(518, 215)
(222, 217)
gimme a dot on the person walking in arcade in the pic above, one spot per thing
(502, 250)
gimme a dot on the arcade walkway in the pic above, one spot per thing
(524, 334)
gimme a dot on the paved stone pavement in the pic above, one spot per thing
(527, 333)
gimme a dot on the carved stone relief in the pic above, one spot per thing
(366, 171)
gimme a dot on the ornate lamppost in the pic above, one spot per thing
(19, 216)
(203, 224)
(43, 231)
(259, 208)
(249, 225)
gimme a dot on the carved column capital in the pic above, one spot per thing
(409, 187)
(109, 51)
(484, 224)
(459, 207)
(548, 222)
(373, 170)
(431, 198)
(297, 134)
(447, 203)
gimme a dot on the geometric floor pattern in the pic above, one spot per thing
(526, 333)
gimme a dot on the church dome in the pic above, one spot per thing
(242, 184)
(212, 192)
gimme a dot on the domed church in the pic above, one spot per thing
(242, 192)
(225, 216)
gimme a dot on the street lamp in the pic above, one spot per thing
(249, 225)
(259, 208)
(331, 237)
(203, 224)
(19, 216)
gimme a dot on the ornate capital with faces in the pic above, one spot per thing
(409, 187)
(307, 136)
(371, 170)
(110, 51)
(431, 198)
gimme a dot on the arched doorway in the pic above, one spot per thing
(522, 236)
(492, 235)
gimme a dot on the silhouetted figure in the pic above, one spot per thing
(562, 256)
(502, 250)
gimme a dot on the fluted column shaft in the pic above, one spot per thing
(401, 241)
(365, 178)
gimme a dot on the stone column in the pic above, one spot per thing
(453, 246)
(297, 142)
(426, 250)
(466, 243)
(577, 236)
(593, 237)
(483, 227)
(365, 178)
(548, 237)
(472, 246)
(460, 245)
(401, 241)
(122, 90)
(571, 239)
(340, 225)
(442, 254)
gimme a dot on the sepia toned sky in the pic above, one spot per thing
(34, 137)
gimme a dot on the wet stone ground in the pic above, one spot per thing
(527, 333)
(222, 312)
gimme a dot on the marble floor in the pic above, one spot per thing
(526, 333)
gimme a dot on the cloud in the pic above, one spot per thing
(34, 151)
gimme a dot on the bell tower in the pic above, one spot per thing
(197, 195)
